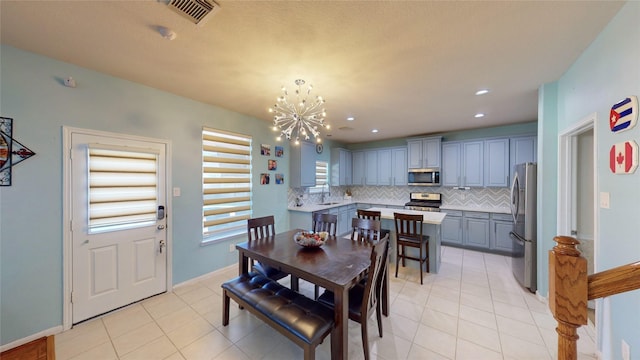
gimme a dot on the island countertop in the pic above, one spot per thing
(429, 217)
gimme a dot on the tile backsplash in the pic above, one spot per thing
(481, 197)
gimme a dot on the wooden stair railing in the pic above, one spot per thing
(570, 288)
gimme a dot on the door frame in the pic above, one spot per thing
(67, 247)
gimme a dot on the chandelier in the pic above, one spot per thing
(298, 117)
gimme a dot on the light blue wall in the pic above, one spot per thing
(31, 238)
(605, 73)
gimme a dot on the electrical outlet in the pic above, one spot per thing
(626, 351)
(232, 247)
(604, 200)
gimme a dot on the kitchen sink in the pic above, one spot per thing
(331, 203)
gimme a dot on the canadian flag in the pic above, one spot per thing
(623, 157)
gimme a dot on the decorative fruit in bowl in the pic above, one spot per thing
(311, 239)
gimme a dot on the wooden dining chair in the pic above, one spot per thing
(365, 229)
(260, 229)
(409, 234)
(363, 298)
(373, 215)
(325, 222)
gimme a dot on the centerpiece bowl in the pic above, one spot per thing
(310, 239)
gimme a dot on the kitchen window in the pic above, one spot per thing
(226, 184)
(322, 177)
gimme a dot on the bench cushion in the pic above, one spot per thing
(307, 319)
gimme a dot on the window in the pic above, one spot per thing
(123, 188)
(322, 177)
(226, 184)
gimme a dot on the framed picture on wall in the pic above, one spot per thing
(279, 179)
(272, 164)
(264, 179)
(265, 149)
(279, 151)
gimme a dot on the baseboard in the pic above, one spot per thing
(203, 276)
(16, 343)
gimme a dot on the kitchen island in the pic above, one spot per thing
(430, 227)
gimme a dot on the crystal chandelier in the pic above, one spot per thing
(299, 117)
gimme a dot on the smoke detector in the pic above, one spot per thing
(196, 11)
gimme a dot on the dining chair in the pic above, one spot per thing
(365, 229)
(373, 215)
(363, 298)
(259, 229)
(409, 234)
(325, 222)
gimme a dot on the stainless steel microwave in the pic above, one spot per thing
(424, 177)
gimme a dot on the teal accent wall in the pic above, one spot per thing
(606, 72)
(31, 238)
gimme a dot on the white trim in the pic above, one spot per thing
(51, 331)
(67, 286)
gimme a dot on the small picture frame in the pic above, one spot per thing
(272, 164)
(279, 151)
(264, 179)
(265, 149)
(279, 179)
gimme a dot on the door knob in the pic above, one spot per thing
(160, 227)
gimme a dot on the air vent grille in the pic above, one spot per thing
(195, 11)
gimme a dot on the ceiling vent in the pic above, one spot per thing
(196, 11)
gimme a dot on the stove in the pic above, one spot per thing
(424, 201)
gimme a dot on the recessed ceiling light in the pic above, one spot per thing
(482, 91)
(478, 115)
(374, 130)
(351, 118)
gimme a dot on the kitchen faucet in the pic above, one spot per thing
(328, 192)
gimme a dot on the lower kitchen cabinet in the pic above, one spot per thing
(476, 230)
(345, 214)
(501, 226)
(451, 228)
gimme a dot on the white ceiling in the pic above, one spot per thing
(403, 67)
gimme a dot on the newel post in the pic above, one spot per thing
(567, 293)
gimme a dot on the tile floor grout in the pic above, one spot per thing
(472, 309)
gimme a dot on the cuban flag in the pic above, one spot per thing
(623, 115)
(623, 157)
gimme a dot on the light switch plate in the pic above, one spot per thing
(604, 200)
(176, 191)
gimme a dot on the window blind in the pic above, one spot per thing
(322, 173)
(226, 184)
(123, 188)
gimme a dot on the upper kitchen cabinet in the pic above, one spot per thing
(357, 159)
(462, 164)
(371, 167)
(523, 149)
(392, 166)
(496, 162)
(303, 165)
(424, 152)
(341, 168)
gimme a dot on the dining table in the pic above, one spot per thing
(337, 265)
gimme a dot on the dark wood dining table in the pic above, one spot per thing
(336, 266)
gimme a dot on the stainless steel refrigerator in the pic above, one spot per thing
(524, 237)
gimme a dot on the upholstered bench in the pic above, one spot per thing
(303, 320)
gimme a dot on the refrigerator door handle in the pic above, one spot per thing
(516, 238)
(515, 201)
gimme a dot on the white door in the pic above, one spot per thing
(118, 222)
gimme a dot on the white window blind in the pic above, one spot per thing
(322, 177)
(123, 188)
(226, 184)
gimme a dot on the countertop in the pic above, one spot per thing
(488, 209)
(429, 217)
(337, 203)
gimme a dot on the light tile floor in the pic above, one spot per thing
(472, 309)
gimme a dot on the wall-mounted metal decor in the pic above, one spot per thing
(11, 151)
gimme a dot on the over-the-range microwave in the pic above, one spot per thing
(424, 177)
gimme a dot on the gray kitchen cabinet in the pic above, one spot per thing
(451, 228)
(424, 152)
(496, 162)
(399, 166)
(501, 225)
(303, 165)
(522, 149)
(462, 164)
(357, 159)
(476, 230)
(341, 168)
(371, 167)
(385, 175)
(345, 214)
